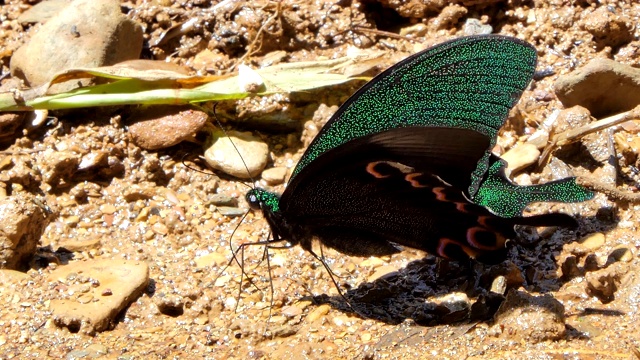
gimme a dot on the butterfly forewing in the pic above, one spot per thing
(469, 83)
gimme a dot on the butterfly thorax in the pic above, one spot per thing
(269, 204)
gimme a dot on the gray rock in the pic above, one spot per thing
(159, 127)
(603, 86)
(22, 223)
(87, 33)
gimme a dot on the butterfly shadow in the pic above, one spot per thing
(432, 291)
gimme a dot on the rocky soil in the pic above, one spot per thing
(116, 236)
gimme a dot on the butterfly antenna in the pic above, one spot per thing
(182, 160)
(215, 116)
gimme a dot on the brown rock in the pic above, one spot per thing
(22, 223)
(9, 123)
(607, 27)
(159, 127)
(603, 86)
(529, 318)
(238, 154)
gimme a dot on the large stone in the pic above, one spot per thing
(603, 86)
(98, 291)
(87, 33)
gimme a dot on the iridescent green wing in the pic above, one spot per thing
(467, 83)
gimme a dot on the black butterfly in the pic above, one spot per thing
(406, 161)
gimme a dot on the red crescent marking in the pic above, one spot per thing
(415, 183)
(439, 192)
(371, 169)
(482, 220)
(471, 239)
(443, 242)
(461, 207)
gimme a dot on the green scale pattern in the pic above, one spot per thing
(509, 200)
(469, 83)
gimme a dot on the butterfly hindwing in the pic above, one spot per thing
(383, 193)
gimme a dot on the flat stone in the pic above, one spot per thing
(230, 211)
(238, 154)
(159, 127)
(594, 241)
(274, 175)
(119, 283)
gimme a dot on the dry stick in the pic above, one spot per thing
(382, 33)
(572, 135)
(250, 48)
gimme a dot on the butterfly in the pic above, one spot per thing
(406, 161)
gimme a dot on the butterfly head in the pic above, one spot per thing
(260, 199)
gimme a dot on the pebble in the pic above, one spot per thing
(382, 271)
(210, 260)
(620, 253)
(499, 285)
(221, 200)
(22, 223)
(476, 27)
(520, 157)
(223, 155)
(453, 307)
(531, 319)
(78, 245)
(291, 311)
(119, 282)
(107, 209)
(415, 30)
(603, 86)
(318, 312)
(593, 242)
(275, 175)
(231, 211)
(95, 29)
(58, 167)
(160, 127)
